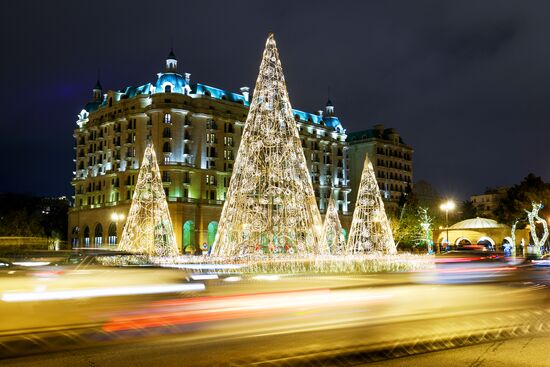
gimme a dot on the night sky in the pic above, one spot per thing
(466, 83)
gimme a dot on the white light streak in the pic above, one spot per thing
(100, 292)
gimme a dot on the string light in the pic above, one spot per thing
(149, 229)
(270, 206)
(534, 218)
(370, 228)
(332, 228)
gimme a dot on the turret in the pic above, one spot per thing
(171, 63)
(97, 92)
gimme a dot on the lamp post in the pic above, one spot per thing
(447, 206)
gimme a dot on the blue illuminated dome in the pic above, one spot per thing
(170, 83)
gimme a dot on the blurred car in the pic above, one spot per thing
(469, 264)
(543, 262)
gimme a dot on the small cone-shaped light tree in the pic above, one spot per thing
(370, 228)
(148, 229)
(270, 206)
(332, 229)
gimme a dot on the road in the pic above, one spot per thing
(116, 316)
(532, 351)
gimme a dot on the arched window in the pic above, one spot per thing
(166, 148)
(98, 235)
(168, 88)
(212, 230)
(74, 238)
(188, 237)
(345, 234)
(110, 101)
(86, 236)
(112, 234)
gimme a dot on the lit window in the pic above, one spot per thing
(167, 118)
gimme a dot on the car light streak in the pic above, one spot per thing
(205, 309)
(99, 292)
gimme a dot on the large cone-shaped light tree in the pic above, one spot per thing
(332, 228)
(370, 229)
(149, 229)
(270, 206)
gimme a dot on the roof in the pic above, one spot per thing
(477, 223)
(177, 82)
(98, 85)
(372, 134)
(172, 55)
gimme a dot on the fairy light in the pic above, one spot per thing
(149, 229)
(534, 218)
(332, 228)
(270, 206)
(370, 228)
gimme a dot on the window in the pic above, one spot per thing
(166, 133)
(98, 238)
(166, 148)
(167, 118)
(168, 88)
(210, 152)
(211, 138)
(210, 179)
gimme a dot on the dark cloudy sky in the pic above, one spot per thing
(466, 83)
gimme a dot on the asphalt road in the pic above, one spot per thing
(521, 352)
(273, 320)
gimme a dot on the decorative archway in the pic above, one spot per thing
(86, 236)
(212, 230)
(188, 242)
(462, 241)
(98, 235)
(345, 233)
(74, 236)
(112, 240)
(487, 242)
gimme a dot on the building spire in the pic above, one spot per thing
(98, 89)
(329, 107)
(171, 61)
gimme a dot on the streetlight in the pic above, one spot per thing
(116, 217)
(447, 206)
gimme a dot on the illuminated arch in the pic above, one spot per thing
(112, 240)
(188, 242)
(98, 235)
(212, 230)
(86, 236)
(74, 236)
(486, 239)
(462, 239)
(345, 234)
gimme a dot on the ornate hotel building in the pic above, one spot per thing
(196, 131)
(391, 159)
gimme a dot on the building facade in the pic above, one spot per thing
(486, 203)
(391, 159)
(196, 131)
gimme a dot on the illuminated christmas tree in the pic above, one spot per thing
(534, 218)
(148, 229)
(332, 229)
(270, 206)
(370, 228)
